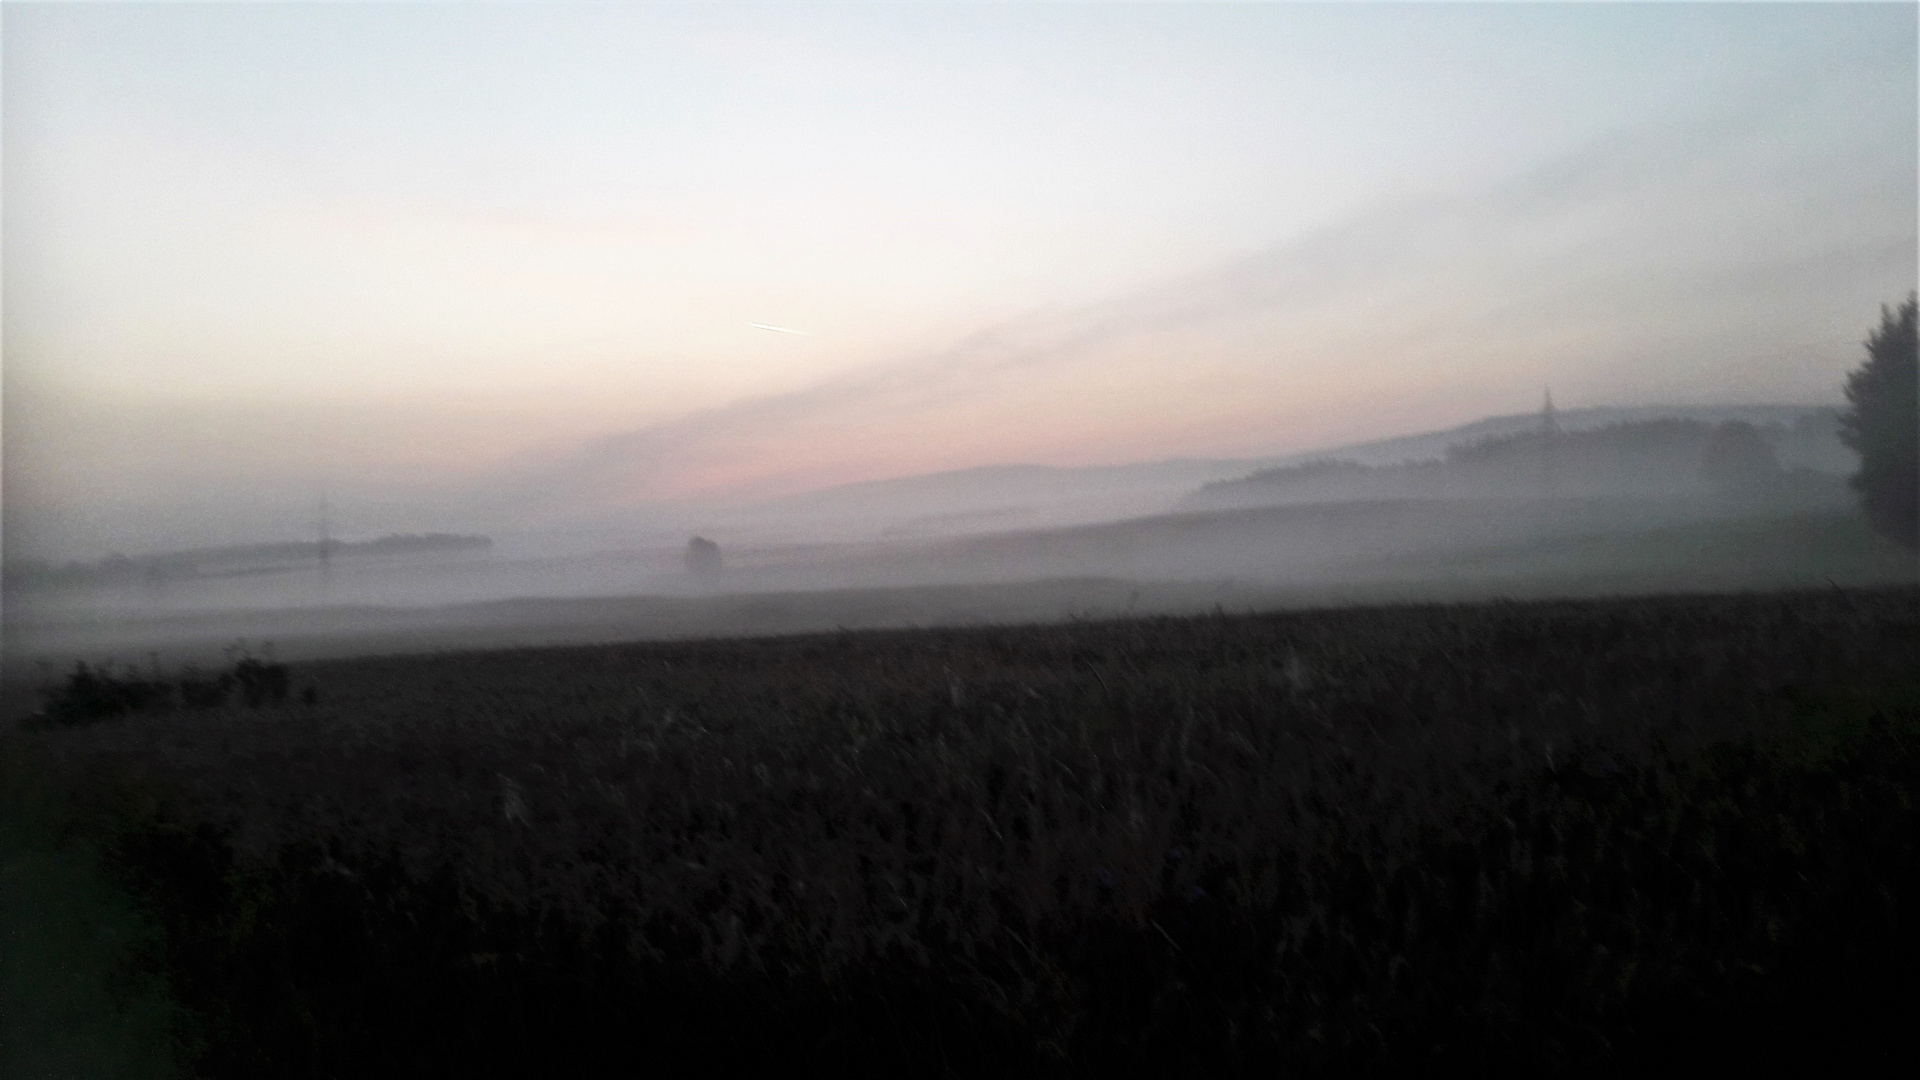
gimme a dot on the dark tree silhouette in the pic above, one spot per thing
(1882, 425)
(703, 558)
(1738, 461)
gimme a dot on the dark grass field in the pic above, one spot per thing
(1569, 837)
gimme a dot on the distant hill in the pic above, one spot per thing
(1807, 434)
(999, 498)
(1660, 458)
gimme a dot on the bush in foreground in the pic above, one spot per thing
(92, 693)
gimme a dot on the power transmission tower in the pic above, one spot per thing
(1549, 446)
(326, 539)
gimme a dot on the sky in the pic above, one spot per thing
(485, 267)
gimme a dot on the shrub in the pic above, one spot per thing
(261, 682)
(202, 690)
(92, 693)
(99, 693)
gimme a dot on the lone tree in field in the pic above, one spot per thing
(703, 558)
(1882, 425)
(1738, 462)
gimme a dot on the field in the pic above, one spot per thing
(1559, 836)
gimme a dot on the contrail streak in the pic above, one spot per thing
(780, 329)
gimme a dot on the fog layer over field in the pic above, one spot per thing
(1591, 501)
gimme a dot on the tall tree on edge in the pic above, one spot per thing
(1882, 425)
